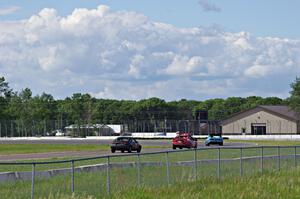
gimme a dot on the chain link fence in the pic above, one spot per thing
(28, 128)
(101, 176)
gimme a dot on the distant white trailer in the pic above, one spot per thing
(95, 129)
(117, 128)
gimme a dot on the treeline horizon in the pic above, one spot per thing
(84, 108)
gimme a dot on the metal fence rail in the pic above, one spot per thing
(172, 166)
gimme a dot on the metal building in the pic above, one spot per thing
(262, 120)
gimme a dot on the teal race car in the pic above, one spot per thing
(214, 139)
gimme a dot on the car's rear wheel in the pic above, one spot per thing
(180, 147)
(113, 150)
(129, 149)
(139, 150)
(221, 144)
(174, 147)
(122, 151)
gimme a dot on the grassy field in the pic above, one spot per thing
(285, 184)
(272, 184)
(124, 181)
(176, 155)
(6, 149)
(268, 143)
(180, 155)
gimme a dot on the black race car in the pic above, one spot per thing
(125, 144)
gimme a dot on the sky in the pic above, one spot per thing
(136, 49)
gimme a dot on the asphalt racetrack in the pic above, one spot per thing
(148, 146)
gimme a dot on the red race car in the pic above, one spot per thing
(184, 140)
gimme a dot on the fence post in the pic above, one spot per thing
(11, 129)
(5, 125)
(108, 176)
(262, 160)
(45, 128)
(241, 162)
(219, 162)
(72, 176)
(168, 169)
(17, 129)
(278, 158)
(139, 170)
(295, 157)
(32, 180)
(195, 164)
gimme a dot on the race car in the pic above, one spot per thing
(184, 140)
(214, 139)
(125, 144)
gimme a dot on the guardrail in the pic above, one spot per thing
(194, 159)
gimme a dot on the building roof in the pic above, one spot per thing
(283, 110)
(280, 111)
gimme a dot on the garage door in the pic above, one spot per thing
(258, 128)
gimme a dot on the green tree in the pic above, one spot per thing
(19, 109)
(217, 111)
(272, 101)
(5, 91)
(294, 100)
(5, 94)
(19, 105)
(251, 102)
(77, 108)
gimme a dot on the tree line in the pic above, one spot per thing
(24, 106)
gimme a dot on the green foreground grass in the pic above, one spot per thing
(272, 184)
(285, 184)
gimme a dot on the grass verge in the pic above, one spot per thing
(284, 184)
(272, 184)
(268, 142)
(9, 149)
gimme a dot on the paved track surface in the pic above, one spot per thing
(160, 145)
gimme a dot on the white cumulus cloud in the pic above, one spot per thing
(124, 55)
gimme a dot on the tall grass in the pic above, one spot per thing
(154, 184)
(284, 184)
(273, 184)
(154, 176)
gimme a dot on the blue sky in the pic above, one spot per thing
(134, 49)
(262, 18)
